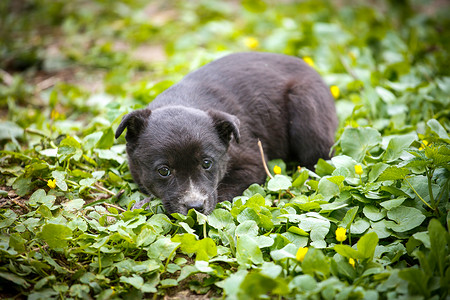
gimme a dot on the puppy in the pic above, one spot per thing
(196, 143)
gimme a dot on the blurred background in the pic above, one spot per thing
(71, 61)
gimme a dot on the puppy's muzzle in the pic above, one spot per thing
(195, 198)
(198, 206)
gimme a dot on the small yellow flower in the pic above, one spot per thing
(308, 60)
(424, 144)
(351, 123)
(341, 234)
(352, 56)
(277, 170)
(334, 89)
(54, 115)
(358, 170)
(301, 252)
(51, 183)
(251, 42)
(351, 261)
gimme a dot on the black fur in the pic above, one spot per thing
(217, 114)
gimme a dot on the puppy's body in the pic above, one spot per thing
(181, 148)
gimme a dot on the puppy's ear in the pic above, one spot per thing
(135, 122)
(225, 125)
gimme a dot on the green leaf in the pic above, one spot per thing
(327, 188)
(406, 218)
(107, 139)
(288, 251)
(231, 284)
(367, 244)
(347, 251)
(301, 179)
(138, 282)
(39, 197)
(14, 279)
(162, 248)
(359, 226)
(256, 284)
(73, 205)
(22, 186)
(417, 280)
(315, 262)
(355, 142)
(55, 235)
(303, 283)
(376, 171)
(373, 213)
(248, 251)
(390, 204)
(397, 145)
(439, 238)
(255, 6)
(278, 183)
(393, 173)
(109, 155)
(206, 249)
(324, 168)
(349, 217)
(248, 227)
(438, 129)
(10, 130)
(68, 148)
(298, 231)
(17, 242)
(220, 219)
(341, 265)
(60, 177)
(146, 236)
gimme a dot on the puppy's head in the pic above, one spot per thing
(179, 154)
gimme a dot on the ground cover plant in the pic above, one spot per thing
(371, 223)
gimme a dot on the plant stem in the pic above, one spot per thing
(263, 159)
(441, 193)
(170, 257)
(430, 189)
(99, 261)
(415, 192)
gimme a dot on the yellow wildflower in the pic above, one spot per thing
(424, 144)
(277, 170)
(51, 183)
(251, 42)
(352, 56)
(351, 261)
(358, 170)
(308, 60)
(54, 115)
(341, 234)
(334, 89)
(301, 252)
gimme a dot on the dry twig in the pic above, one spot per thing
(263, 159)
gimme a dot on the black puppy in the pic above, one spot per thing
(196, 143)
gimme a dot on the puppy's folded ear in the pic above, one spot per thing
(135, 122)
(225, 125)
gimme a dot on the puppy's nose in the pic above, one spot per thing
(197, 206)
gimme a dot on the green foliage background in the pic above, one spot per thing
(71, 69)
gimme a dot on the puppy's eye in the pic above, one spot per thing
(164, 171)
(206, 164)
